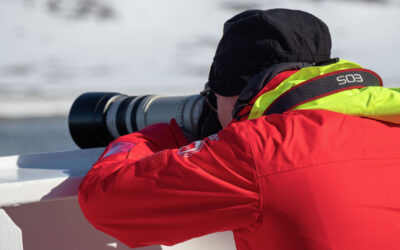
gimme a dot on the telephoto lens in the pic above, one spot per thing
(97, 118)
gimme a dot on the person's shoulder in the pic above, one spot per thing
(299, 116)
(269, 125)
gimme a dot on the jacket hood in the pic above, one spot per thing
(378, 103)
(364, 99)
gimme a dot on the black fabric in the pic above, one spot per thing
(255, 39)
(257, 83)
(321, 86)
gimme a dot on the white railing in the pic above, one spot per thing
(39, 208)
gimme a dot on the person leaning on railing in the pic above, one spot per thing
(305, 154)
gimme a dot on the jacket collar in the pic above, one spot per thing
(374, 102)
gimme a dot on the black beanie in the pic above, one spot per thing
(255, 39)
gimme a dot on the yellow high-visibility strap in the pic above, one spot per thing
(265, 100)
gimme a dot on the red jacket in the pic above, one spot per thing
(308, 179)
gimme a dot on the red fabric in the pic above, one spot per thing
(155, 195)
(305, 179)
(329, 181)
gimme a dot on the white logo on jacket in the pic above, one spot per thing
(195, 146)
(190, 149)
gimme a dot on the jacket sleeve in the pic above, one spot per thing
(166, 197)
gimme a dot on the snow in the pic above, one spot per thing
(47, 59)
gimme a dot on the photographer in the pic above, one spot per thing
(306, 156)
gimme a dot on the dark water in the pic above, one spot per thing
(34, 135)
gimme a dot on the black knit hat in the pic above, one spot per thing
(255, 39)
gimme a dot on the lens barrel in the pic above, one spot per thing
(97, 118)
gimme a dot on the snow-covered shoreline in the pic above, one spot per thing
(157, 47)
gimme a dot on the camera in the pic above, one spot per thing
(97, 118)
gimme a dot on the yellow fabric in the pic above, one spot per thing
(265, 100)
(374, 102)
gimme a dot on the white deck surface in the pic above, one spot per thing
(39, 177)
(38, 198)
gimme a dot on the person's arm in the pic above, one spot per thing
(175, 194)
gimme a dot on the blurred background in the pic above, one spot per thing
(51, 51)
